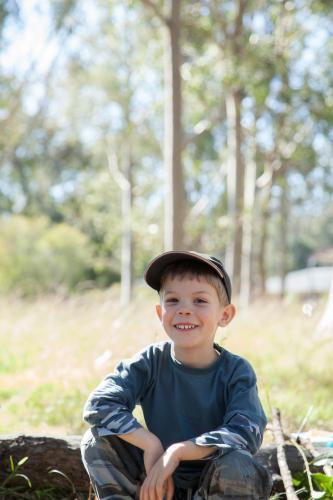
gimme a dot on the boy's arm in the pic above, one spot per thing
(148, 442)
(110, 406)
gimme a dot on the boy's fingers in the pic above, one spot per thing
(170, 489)
(144, 491)
(159, 490)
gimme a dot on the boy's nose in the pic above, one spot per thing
(184, 310)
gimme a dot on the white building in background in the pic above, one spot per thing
(312, 280)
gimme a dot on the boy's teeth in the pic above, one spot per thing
(185, 327)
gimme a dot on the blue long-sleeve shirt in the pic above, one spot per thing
(215, 406)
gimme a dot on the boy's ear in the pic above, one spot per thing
(228, 314)
(159, 311)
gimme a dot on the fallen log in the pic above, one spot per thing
(44, 455)
(63, 454)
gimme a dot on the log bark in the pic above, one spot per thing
(44, 454)
(47, 453)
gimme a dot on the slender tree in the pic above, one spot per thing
(173, 130)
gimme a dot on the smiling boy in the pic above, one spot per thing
(203, 415)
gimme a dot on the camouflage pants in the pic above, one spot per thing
(116, 471)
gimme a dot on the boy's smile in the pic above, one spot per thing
(190, 312)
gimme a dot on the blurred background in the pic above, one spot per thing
(132, 127)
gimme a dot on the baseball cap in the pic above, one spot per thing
(156, 267)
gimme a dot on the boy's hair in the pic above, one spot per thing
(194, 269)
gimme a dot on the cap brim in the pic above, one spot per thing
(156, 267)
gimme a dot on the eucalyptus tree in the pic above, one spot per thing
(223, 31)
(267, 124)
(293, 117)
(170, 16)
(111, 72)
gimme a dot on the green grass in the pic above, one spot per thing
(54, 351)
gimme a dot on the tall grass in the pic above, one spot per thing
(54, 350)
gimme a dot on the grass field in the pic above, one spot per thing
(54, 350)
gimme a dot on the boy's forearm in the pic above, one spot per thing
(187, 450)
(141, 438)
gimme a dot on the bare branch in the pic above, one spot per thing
(205, 200)
(201, 127)
(239, 18)
(115, 171)
(281, 456)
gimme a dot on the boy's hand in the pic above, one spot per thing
(159, 483)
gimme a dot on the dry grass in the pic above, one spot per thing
(55, 350)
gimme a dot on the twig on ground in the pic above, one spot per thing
(281, 457)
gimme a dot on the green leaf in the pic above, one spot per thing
(24, 477)
(22, 461)
(323, 482)
(298, 479)
(12, 465)
(56, 471)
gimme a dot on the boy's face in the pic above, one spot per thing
(190, 312)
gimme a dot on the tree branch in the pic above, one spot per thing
(116, 173)
(239, 18)
(281, 457)
(202, 126)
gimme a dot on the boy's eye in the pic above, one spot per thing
(201, 301)
(171, 300)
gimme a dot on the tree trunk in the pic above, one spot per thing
(235, 186)
(175, 204)
(123, 177)
(126, 237)
(283, 247)
(248, 224)
(173, 133)
(263, 220)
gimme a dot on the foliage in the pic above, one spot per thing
(322, 485)
(36, 257)
(14, 468)
(106, 76)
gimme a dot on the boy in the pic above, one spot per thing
(200, 403)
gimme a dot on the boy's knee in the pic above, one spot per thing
(88, 445)
(93, 447)
(238, 474)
